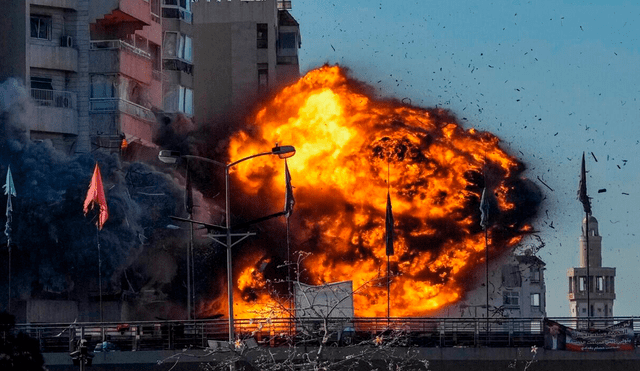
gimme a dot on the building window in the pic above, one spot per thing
(170, 44)
(570, 285)
(535, 300)
(582, 283)
(263, 76)
(287, 40)
(263, 35)
(178, 46)
(103, 86)
(184, 50)
(185, 101)
(600, 283)
(534, 274)
(41, 27)
(511, 298)
(43, 83)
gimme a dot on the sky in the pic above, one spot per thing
(552, 79)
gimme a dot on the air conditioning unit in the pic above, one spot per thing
(66, 41)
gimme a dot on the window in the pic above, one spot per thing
(600, 283)
(534, 274)
(41, 83)
(42, 90)
(170, 44)
(287, 40)
(184, 50)
(511, 298)
(263, 35)
(178, 45)
(582, 282)
(41, 27)
(185, 100)
(103, 86)
(570, 285)
(263, 76)
(535, 300)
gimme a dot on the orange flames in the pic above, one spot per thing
(348, 144)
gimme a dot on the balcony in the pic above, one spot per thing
(117, 116)
(67, 4)
(110, 13)
(54, 98)
(117, 56)
(106, 105)
(54, 112)
(53, 57)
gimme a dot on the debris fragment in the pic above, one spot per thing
(545, 184)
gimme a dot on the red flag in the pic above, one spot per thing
(96, 196)
(388, 224)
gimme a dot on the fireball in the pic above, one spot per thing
(353, 149)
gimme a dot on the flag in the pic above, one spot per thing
(289, 201)
(188, 197)
(484, 210)
(582, 189)
(95, 195)
(9, 190)
(388, 224)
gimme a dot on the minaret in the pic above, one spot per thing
(592, 296)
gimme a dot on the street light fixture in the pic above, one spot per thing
(172, 157)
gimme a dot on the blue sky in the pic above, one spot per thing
(550, 78)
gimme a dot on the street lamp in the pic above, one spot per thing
(172, 157)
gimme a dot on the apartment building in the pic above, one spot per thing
(242, 51)
(93, 68)
(516, 289)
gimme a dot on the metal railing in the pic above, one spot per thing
(118, 44)
(425, 332)
(99, 105)
(53, 98)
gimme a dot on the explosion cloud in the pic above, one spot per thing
(348, 144)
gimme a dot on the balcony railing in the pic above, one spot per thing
(118, 44)
(54, 98)
(104, 105)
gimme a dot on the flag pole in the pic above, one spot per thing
(289, 202)
(99, 273)
(9, 190)
(95, 195)
(388, 262)
(586, 204)
(484, 223)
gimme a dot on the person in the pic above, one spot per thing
(554, 337)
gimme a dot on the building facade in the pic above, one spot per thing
(242, 50)
(516, 289)
(92, 68)
(591, 291)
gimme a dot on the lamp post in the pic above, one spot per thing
(172, 157)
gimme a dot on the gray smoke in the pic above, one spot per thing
(54, 246)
